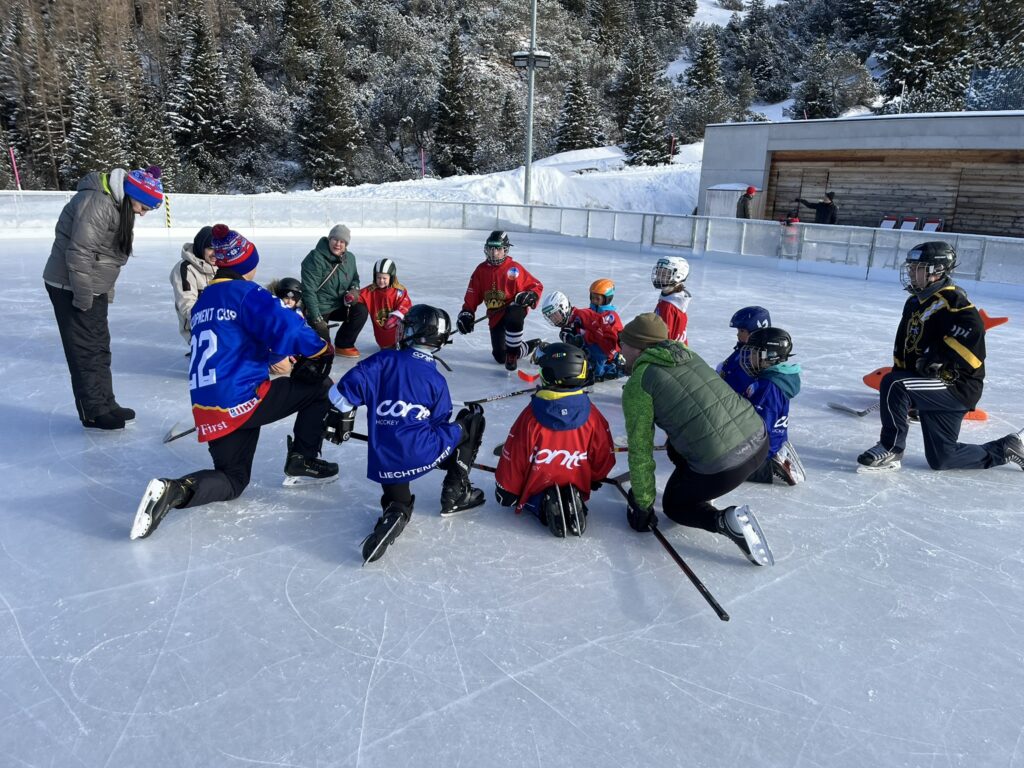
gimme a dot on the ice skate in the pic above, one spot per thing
(740, 525)
(458, 495)
(524, 349)
(879, 459)
(1013, 448)
(159, 498)
(786, 465)
(389, 526)
(300, 470)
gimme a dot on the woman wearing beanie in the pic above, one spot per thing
(93, 241)
(190, 276)
(715, 437)
(330, 290)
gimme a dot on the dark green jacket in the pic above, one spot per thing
(708, 424)
(325, 278)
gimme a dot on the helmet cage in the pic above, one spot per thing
(669, 272)
(556, 308)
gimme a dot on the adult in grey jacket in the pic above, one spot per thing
(93, 241)
(190, 276)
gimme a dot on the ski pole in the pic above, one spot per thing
(705, 593)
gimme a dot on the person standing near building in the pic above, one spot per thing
(743, 204)
(938, 369)
(825, 210)
(330, 291)
(93, 241)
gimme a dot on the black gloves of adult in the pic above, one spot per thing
(323, 330)
(640, 519)
(465, 321)
(313, 370)
(338, 426)
(526, 299)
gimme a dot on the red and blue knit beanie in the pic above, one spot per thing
(145, 187)
(232, 251)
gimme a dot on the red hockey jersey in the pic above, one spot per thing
(381, 303)
(600, 328)
(672, 309)
(495, 286)
(558, 439)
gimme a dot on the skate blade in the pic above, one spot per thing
(460, 510)
(863, 470)
(382, 545)
(760, 552)
(295, 480)
(143, 519)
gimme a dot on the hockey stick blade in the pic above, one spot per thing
(173, 433)
(855, 411)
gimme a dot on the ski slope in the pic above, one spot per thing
(247, 633)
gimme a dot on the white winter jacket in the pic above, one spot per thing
(189, 278)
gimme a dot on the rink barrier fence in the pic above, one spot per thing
(857, 252)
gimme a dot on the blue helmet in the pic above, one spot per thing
(751, 318)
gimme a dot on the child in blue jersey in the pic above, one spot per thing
(408, 428)
(773, 383)
(745, 321)
(238, 328)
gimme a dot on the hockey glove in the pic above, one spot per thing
(640, 519)
(323, 330)
(572, 336)
(393, 320)
(505, 498)
(313, 370)
(465, 321)
(338, 426)
(526, 299)
(350, 298)
(929, 367)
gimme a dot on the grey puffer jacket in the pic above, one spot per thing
(85, 257)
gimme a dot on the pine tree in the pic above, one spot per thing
(646, 136)
(704, 98)
(329, 132)
(922, 38)
(455, 141)
(6, 172)
(833, 83)
(611, 20)
(304, 31)
(577, 124)
(95, 141)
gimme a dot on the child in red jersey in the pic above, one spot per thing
(669, 275)
(595, 329)
(387, 301)
(559, 447)
(508, 292)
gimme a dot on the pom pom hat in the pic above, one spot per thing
(145, 187)
(232, 251)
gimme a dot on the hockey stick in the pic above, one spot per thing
(172, 435)
(503, 396)
(366, 439)
(705, 593)
(855, 411)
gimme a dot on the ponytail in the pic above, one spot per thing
(126, 226)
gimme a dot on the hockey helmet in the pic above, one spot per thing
(556, 308)
(604, 291)
(496, 246)
(765, 347)
(288, 288)
(751, 318)
(938, 258)
(563, 366)
(669, 271)
(386, 267)
(425, 326)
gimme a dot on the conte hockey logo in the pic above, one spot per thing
(569, 460)
(401, 409)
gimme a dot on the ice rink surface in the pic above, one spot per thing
(890, 632)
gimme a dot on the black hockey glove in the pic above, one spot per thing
(505, 498)
(526, 299)
(572, 335)
(313, 370)
(465, 321)
(640, 519)
(323, 330)
(929, 367)
(338, 426)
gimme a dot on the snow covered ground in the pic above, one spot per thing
(246, 633)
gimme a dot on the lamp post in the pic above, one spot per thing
(530, 60)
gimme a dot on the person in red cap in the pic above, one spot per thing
(743, 204)
(93, 241)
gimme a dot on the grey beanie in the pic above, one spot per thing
(340, 232)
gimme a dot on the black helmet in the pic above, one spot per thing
(497, 239)
(385, 266)
(765, 347)
(563, 366)
(938, 257)
(288, 288)
(425, 326)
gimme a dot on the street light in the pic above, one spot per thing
(530, 60)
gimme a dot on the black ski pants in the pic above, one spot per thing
(352, 319)
(688, 493)
(233, 454)
(508, 332)
(86, 340)
(941, 414)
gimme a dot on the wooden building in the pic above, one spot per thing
(965, 169)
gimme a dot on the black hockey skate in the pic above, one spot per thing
(389, 526)
(1013, 449)
(563, 511)
(300, 470)
(879, 459)
(525, 349)
(458, 495)
(786, 465)
(160, 497)
(740, 525)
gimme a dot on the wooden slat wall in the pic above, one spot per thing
(976, 191)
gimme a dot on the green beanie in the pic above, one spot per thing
(644, 330)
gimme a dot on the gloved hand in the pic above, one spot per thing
(505, 498)
(526, 299)
(465, 321)
(313, 370)
(393, 320)
(595, 484)
(350, 298)
(571, 335)
(338, 426)
(929, 367)
(640, 519)
(319, 325)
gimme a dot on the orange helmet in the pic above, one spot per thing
(604, 289)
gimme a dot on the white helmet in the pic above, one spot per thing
(670, 271)
(556, 308)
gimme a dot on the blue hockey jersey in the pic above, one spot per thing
(770, 394)
(408, 413)
(238, 329)
(732, 372)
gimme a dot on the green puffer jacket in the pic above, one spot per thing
(325, 278)
(708, 424)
